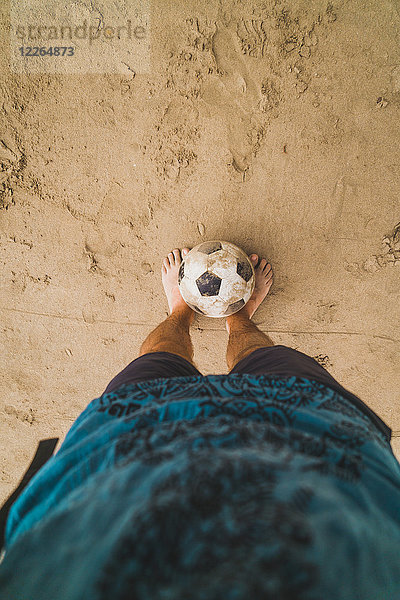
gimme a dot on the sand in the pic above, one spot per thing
(270, 124)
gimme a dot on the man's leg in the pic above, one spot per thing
(244, 338)
(244, 335)
(172, 335)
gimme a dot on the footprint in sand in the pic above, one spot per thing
(234, 94)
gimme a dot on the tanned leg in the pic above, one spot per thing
(173, 334)
(244, 335)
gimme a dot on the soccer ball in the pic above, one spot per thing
(216, 278)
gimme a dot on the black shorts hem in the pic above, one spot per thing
(271, 360)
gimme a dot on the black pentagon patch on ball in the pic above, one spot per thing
(208, 284)
(209, 247)
(194, 307)
(244, 270)
(181, 272)
(235, 306)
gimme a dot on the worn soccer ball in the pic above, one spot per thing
(216, 278)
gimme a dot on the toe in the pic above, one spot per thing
(267, 266)
(166, 263)
(268, 273)
(185, 251)
(177, 255)
(171, 258)
(253, 258)
(263, 263)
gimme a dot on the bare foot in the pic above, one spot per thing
(264, 279)
(169, 276)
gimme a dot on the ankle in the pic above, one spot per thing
(238, 320)
(182, 317)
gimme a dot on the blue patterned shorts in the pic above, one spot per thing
(274, 360)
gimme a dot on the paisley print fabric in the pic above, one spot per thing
(218, 487)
